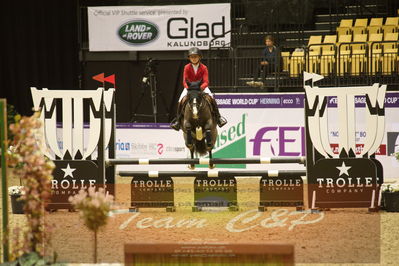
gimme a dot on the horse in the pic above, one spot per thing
(199, 122)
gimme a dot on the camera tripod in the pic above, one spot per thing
(150, 81)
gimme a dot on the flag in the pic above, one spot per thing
(99, 77)
(110, 79)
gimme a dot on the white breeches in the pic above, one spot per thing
(184, 93)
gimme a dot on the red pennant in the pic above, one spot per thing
(110, 79)
(99, 77)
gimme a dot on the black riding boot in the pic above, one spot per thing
(220, 119)
(175, 124)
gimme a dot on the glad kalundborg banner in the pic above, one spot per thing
(259, 125)
(150, 28)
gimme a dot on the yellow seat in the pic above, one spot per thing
(344, 27)
(391, 25)
(360, 26)
(392, 21)
(312, 65)
(346, 23)
(375, 52)
(389, 58)
(374, 29)
(375, 26)
(358, 60)
(376, 22)
(343, 50)
(327, 59)
(297, 60)
(285, 59)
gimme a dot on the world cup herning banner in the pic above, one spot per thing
(158, 28)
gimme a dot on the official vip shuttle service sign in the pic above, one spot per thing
(73, 156)
(346, 178)
(150, 28)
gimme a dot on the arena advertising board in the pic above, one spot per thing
(160, 28)
(259, 125)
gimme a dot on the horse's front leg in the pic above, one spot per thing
(189, 142)
(208, 140)
(208, 135)
(192, 166)
(188, 136)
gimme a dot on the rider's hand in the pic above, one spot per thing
(263, 63)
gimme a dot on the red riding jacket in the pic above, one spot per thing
(190, 76)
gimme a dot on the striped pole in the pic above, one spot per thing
(4, 186)
(214, 173)
(208, 161)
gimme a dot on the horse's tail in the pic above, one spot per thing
(200, 147)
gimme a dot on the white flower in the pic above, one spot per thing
(390, 187)
(16, 190)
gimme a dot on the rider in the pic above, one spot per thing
(193, 72)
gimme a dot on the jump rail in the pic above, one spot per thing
(214, 173)
(264, 160)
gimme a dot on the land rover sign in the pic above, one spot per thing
(138, 32)
(158, 28)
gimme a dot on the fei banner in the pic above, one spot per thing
(158, 28)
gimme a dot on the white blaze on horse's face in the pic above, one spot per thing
(195, 109)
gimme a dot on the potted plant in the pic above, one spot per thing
(94, 207)
(17, 204)
(390, 196)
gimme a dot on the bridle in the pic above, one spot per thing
(195, 108)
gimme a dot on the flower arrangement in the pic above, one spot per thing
(390, 188)
(35, 172)
(16, 191)
(94, 207)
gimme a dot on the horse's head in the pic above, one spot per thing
(195, 101)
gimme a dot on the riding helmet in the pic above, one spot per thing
(194, 50)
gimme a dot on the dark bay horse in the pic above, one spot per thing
(199, 123)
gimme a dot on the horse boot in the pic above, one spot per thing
(220, 119)
(175, 124)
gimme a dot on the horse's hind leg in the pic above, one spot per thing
(211, 165)
(209, 145)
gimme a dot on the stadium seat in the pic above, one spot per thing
(358, 58)
(360, 26)
(327, 58)
(343, 51)
(297, 57)
(314, 53)
(285, 59)
(392, 21)
(344, 27)
(391, 25)
(374, 29)
(375, 26)
(375, 52)
(376, 22)
(390, 54)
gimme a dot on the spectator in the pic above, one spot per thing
(269, 61)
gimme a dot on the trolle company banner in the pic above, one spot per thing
(150, 28)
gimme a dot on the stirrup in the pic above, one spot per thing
(175, 124)
(222, 121)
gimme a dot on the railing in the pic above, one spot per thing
(344, 65)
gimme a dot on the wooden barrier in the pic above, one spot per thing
(209, 254)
